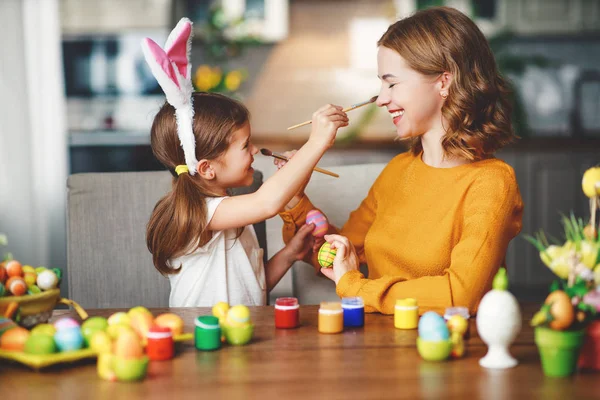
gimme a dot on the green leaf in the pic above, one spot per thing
(539, 246)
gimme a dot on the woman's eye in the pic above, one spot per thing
(391, 85)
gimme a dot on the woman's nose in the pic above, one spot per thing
(383, 97)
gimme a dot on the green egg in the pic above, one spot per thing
(40, 344)
(33, 289)
(44, 329)
(39, 269)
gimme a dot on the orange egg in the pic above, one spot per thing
(128, 345)
(561, 310)
(14, 268)
(16, 285)
(141, 323)
(171, 321)
(14, 339)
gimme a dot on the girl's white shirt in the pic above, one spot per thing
(225, 269)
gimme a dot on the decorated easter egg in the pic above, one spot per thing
(13, 268)
(128, 345)
(326, 255)
(16, 285)
(68, 339)
(28, 268)
(101, 342)
(6, 324)
(14, 339)
(33, 289)
(432, 327)
(171, 321)
(119, 318)
(47, 280)
(238, 316)
(66, 323)
(30, 278)
(40, 344)
(317, 218)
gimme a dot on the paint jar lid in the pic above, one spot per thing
(462, 311)
(353, 302)
(408, 303)
(330, 307)
(207, 322)
(159, 332)
(286, 303)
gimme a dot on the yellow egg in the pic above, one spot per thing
(220, 309)
(238, 316)
(101, 342)
(116, 330)
(44, 329)
(591, 182)
(119, 318)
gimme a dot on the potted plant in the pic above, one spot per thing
(574, 299)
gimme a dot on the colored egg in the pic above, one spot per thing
(14, 339)
(13, 268)
(119, 318)
(220, 309)
(326, 255)
(47, 280)
(238, 316)
(432, 327)
(16, 285)
(44, 329)
(66, 323)
(171, 321)
(33, 289)
(141, 323)
(68, 339)
(30, 278)
(317, 218)
(6, 324)
(128, 345)
(101, 342)
(39, 270)
(28, 268)
(91, 326)
(40, 344)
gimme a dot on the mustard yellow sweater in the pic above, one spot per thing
(435, 234)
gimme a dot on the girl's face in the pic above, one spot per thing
(234, 168)
(412, 99)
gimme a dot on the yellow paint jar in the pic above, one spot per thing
(406, 314)
(331, 317)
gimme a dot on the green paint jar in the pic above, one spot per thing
(207, 335)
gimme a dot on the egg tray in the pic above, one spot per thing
(39, 361)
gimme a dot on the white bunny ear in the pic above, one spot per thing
(172, 69)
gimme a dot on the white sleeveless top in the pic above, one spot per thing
(224, 269)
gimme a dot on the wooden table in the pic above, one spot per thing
(374, 362)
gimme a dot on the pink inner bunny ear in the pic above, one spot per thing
(178, 51)
(162, 60)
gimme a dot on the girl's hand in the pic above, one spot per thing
(301, 244)
(345, 259)
(280, 163)
(325, 123)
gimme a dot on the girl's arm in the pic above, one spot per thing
(275, 192)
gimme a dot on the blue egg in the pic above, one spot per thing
(69, 339)
(432, 327)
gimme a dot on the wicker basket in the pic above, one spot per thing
(36, 308)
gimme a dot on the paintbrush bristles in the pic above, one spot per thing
(353, 107)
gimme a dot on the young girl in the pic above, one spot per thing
(199, 236)
(436, 223)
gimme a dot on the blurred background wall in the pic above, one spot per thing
(86, 104)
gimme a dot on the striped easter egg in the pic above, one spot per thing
(317, 218)
(326, 255)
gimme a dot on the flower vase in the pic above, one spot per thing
(559, 350)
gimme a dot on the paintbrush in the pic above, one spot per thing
(353, 107)
(268, 152)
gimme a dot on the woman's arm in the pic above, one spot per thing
(275, 192)
(493, 212)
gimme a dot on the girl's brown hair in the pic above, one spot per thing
(478, 108)
(178, 222)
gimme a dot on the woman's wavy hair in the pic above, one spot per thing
(477, 109)
(178, 223)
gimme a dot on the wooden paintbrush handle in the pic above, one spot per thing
(321, 170)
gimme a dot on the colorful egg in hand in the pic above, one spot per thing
(317, 218)
(326, 255)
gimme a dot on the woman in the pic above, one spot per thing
(436, 223)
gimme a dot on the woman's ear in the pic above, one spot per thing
(445, 80)
(205, 170)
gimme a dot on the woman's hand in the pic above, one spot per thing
(345, 259)
(279, 164)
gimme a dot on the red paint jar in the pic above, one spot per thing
(287, 313)
(160, 344)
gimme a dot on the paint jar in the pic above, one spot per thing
(160, 345)
(207, 335)
(406, 314)
(463, 312)
(331, 317)
(354, 311)
(287, 313)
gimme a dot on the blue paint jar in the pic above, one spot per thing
(354, 311)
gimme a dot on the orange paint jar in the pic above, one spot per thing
(331, 317)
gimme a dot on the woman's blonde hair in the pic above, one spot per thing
(478, 108)
(178, 223)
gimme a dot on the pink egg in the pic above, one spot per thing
(317, 218)
(66, 323)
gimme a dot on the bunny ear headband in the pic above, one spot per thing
(172, 69)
